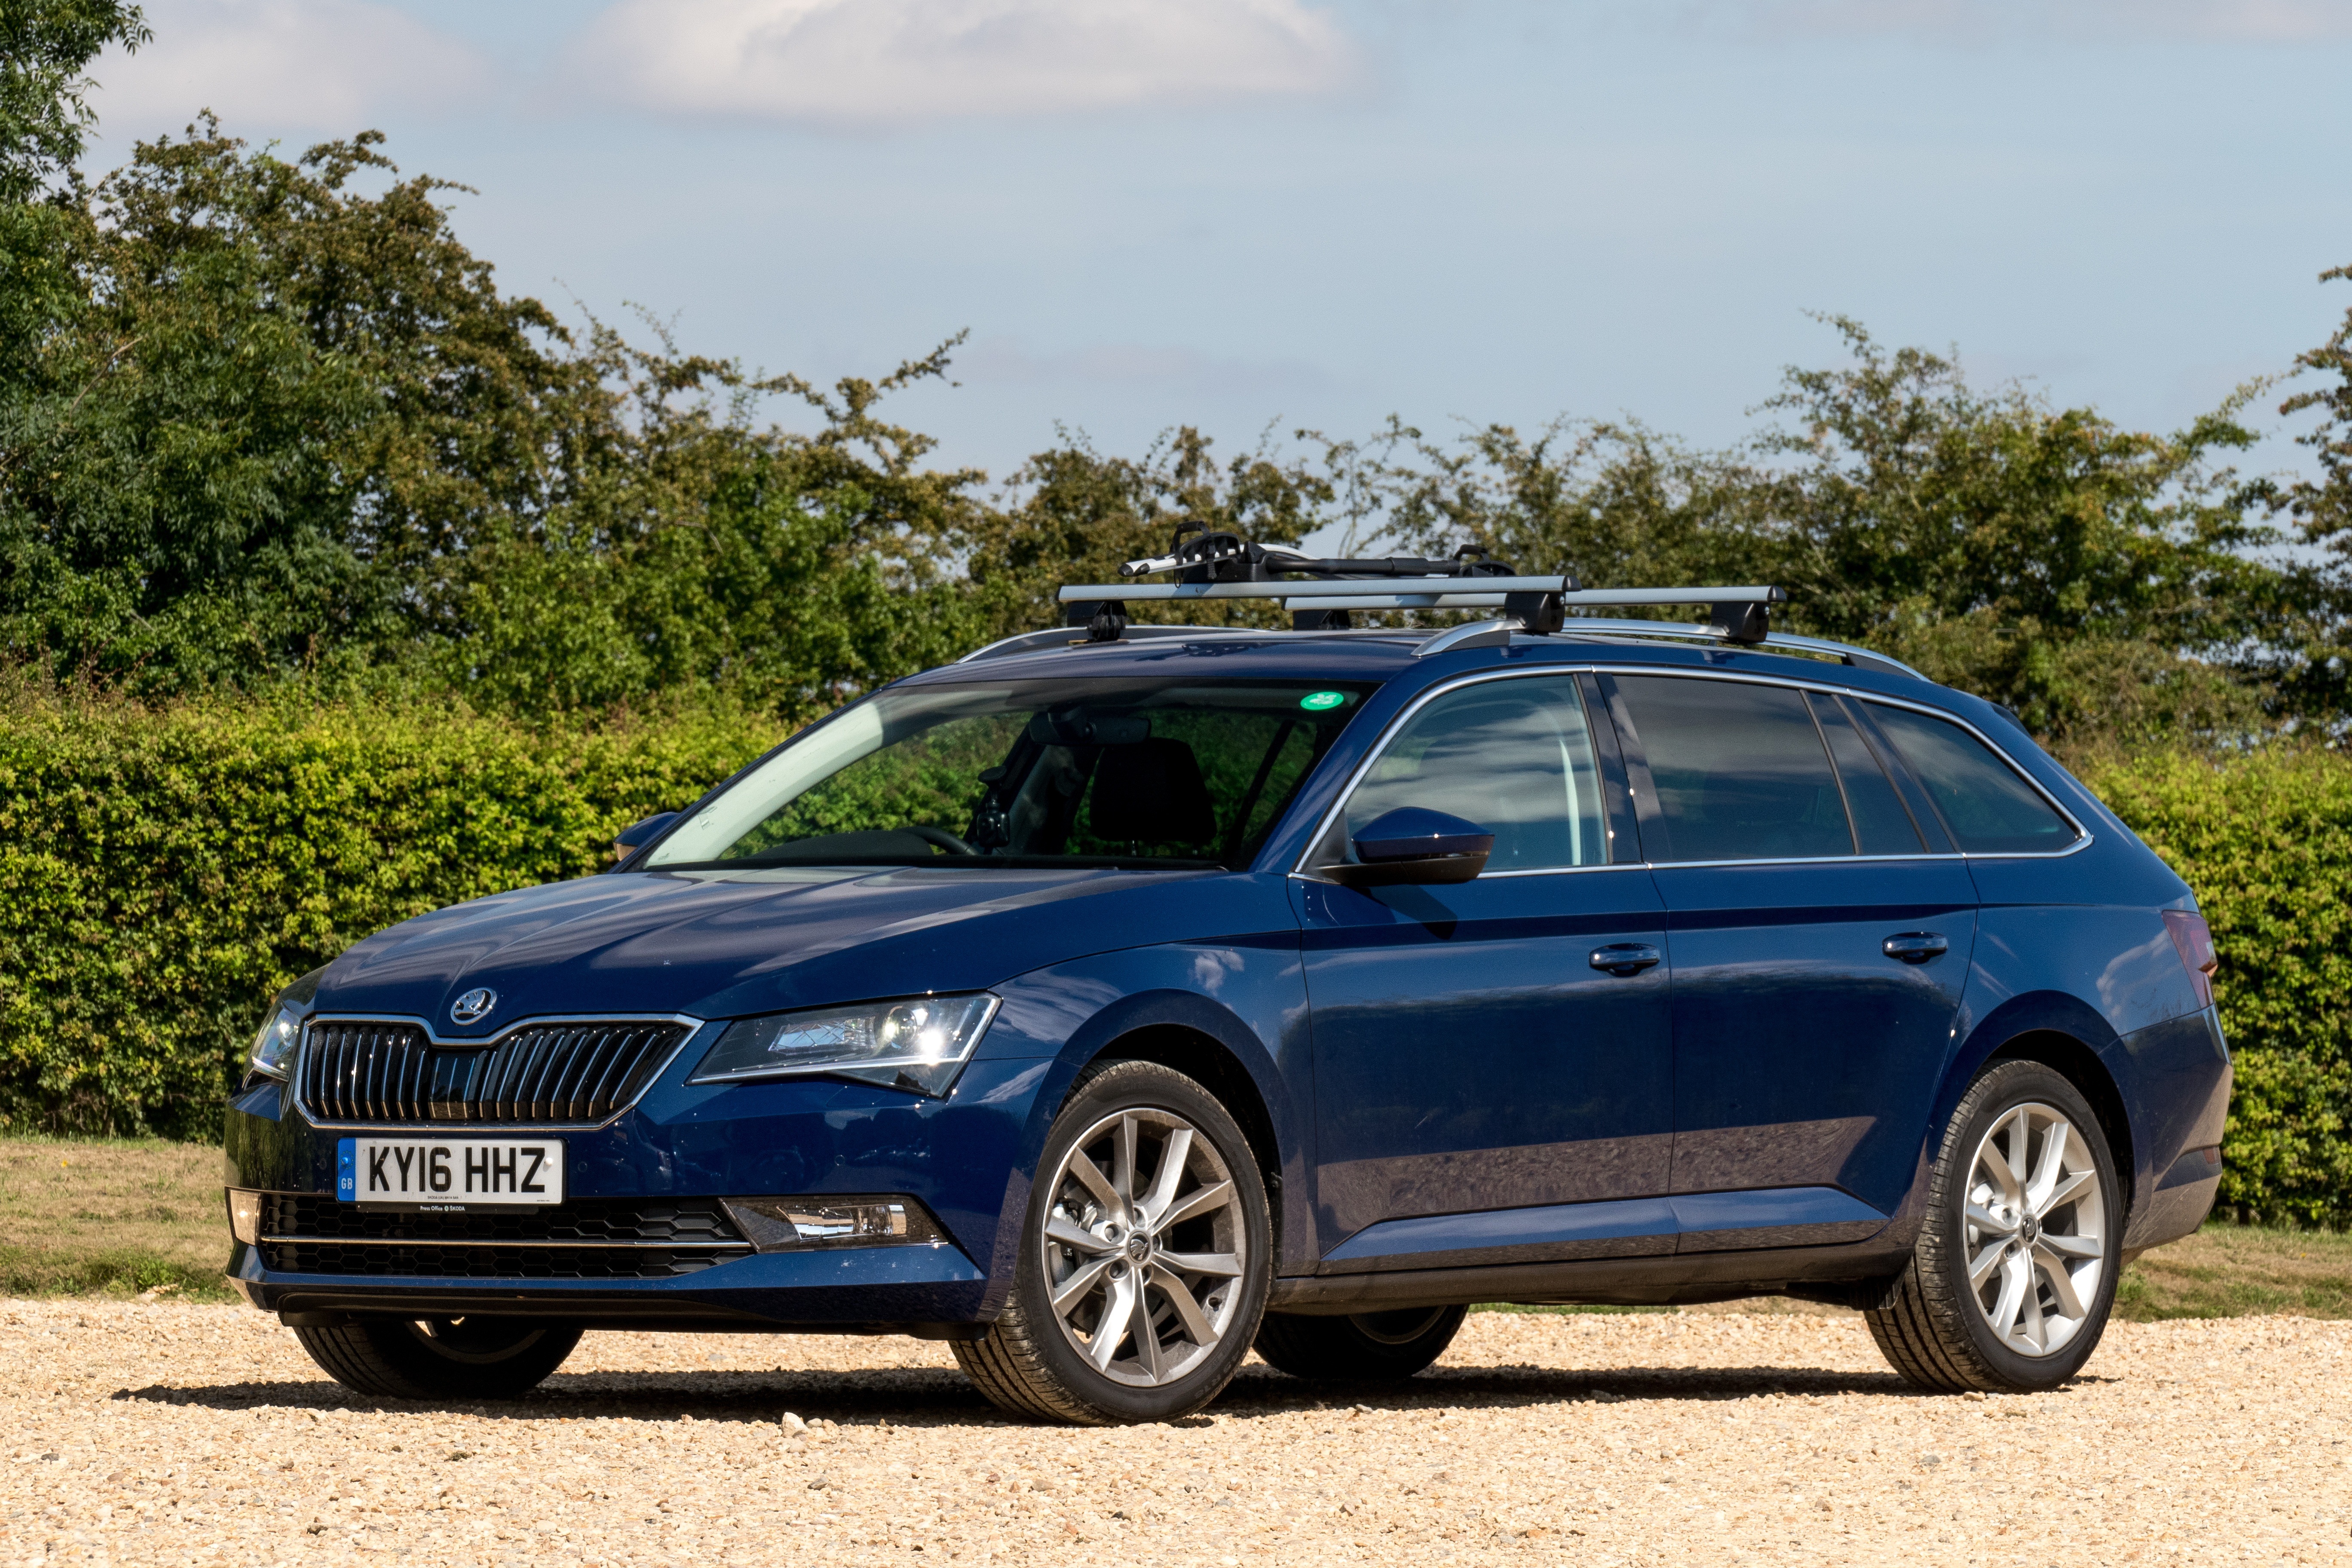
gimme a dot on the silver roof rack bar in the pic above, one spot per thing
(1487, 592)
(1325, 589)
(1399, 601)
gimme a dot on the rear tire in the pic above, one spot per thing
(1146, 1192)
(2023, 1197)
(1368, 1346)
(440, 1358)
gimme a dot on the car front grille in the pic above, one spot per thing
(389, 1074)
(585, 1239)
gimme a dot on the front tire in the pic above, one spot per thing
(1372, 1346)
(440, 1358)
(2011, 1284)
(1144, 1264)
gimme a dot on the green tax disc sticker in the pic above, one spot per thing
(1317, 702)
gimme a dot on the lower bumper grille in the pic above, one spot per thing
(585, 1239)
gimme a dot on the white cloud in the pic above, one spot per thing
(880, 62)
(268, 66)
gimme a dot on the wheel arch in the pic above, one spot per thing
(1209, 1062)
(2071, 1039)
(1207, 1041)
(2079, 1065)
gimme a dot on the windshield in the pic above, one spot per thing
(1054, 773)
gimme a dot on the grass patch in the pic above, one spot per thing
(2228, 1271)
(112, 1218)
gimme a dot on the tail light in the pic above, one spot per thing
(2194, 938)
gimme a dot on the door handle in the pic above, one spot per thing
(1915, 946)
(1623, 958)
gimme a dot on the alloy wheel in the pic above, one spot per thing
(2036, 1224)
(1144, 1246)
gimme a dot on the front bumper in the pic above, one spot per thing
(927, 1288)
(961, 1157)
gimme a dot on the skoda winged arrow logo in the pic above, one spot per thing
(474, 1005)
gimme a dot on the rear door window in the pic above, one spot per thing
(1741, 770)
(1986, 806)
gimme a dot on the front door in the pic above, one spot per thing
(1470, 1058)
(1819, 950)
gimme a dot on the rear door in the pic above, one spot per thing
(1470, 1058)
(1819, 939)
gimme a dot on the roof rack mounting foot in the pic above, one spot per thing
(1542, 613)
(1320, 621)
(1104, 619)
(1749, 623)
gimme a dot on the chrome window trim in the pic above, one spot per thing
(478, 1129)
(1548, 871)
(2083, 836)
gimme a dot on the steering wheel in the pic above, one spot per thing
(942, 838)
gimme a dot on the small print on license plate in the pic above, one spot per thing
(449, 1175)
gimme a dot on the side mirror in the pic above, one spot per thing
(638, 833)
(1412, 845)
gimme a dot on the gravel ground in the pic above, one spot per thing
(138, 1433)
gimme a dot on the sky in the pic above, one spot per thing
(1255, 215)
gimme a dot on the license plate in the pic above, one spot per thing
(449, 1175)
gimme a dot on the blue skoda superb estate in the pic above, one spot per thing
(1117, 1000)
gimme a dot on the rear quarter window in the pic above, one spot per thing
(1987, 808)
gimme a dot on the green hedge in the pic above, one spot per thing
(163, 873)
(2266, 841)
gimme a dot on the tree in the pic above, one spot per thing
(2107, 583)
(2323, 505)
(2320, 508)
(46, 45)
(292, 427)
(700, 552)
(1075, 515)
(180, 449)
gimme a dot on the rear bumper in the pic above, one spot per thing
(964, 1158)
(2178, 1082)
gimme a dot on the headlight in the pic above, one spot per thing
(273, 1048)
(919, 1044)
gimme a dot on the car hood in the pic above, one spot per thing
(717, 945)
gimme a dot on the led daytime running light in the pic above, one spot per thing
(920, 1044)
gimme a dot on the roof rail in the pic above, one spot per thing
(1846, 653)
(1059, 637)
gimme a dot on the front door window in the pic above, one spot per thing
(1515, 756)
